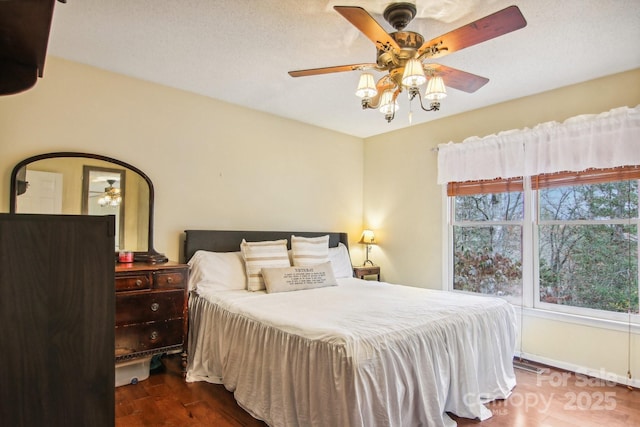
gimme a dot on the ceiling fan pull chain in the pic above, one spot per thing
(410, 109)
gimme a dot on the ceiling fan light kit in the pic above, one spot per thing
(366, 87)
(388, 103)
(413, 74)
(401, 55)
(436, 90)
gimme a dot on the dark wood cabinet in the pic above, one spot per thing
(57, 304)
(151, 309)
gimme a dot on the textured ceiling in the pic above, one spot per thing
(240, 51)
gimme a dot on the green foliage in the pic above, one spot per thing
(586, 264)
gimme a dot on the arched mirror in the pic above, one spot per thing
(89, 184)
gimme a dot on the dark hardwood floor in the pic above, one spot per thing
(557, 398)
(166, 399)
(552, 399)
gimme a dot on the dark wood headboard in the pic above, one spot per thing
(229, 240)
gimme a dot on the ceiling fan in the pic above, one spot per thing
(402, 54)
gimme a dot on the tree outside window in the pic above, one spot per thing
(588, 246)
(584, 240)
(488, 244)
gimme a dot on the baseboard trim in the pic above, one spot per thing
(600, 374)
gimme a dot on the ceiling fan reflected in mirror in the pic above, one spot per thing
(405, 56)
(111, 196)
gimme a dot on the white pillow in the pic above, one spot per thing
(217, 270)
(259, 255)
(340, 261)
(298, 278)
(309, 250)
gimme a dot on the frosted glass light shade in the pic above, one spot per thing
(387, 104)
(436, 89)
(413, 75)
(366, 86)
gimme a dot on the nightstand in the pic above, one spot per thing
(366, 270)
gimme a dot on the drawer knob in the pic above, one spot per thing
(138, 282)
(155, 306)
(153, 336)
(169, 280)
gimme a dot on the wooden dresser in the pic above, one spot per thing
(151, 310)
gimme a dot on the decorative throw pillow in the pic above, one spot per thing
(298, 278)
(259, 255)
(340, 261)
(217, 270)
(309, 250)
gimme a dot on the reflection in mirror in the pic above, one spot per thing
(60, 183)
(103, 193)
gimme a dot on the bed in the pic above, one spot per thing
(352, 353)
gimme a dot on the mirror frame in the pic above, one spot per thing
(151, 255)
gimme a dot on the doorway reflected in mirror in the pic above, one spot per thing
(103, 193)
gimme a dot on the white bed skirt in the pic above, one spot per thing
(286, 379)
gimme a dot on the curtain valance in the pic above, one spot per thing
(603, 140)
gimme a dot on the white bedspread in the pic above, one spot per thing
(358, 354)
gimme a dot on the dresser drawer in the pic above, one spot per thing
(132, 282)
(148, 336)
(169, 279)
(151, 309)
(149, 306)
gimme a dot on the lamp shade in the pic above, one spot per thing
(388, 105)
(366, 86)
(367, 238)
(436, 89)
(413, 75)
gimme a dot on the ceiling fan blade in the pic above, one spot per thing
(327, 70)
(487, 28)
(458, 79)
(361, 19)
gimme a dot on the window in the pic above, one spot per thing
(487, 237)
(584, 240)
(587, 239)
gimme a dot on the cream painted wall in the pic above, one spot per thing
(404, 206)
(213, 164)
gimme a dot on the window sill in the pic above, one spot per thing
(593, 322)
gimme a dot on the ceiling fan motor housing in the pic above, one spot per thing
(409, 43)
(399, 14)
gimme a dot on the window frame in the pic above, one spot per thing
(531, 258)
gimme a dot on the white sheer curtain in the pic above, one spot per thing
(588, 141)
